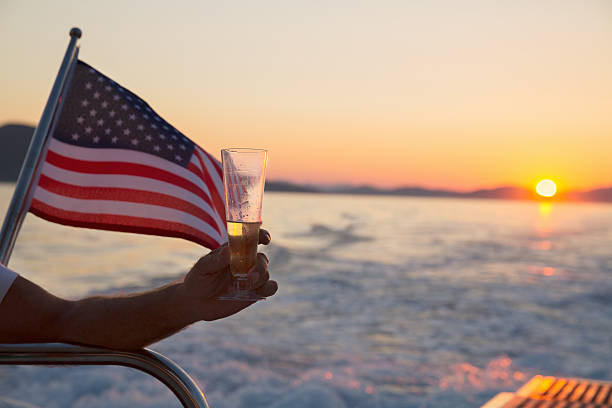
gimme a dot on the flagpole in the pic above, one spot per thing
(28, 175)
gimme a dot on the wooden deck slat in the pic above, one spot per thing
(555, 389)
(590, 393)
(567, 390)
(578, 391)
(602, 395)
(530, 403)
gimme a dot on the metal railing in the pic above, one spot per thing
(148, 361)
(152, 363)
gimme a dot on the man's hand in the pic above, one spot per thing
(210, 277)
(30, 314)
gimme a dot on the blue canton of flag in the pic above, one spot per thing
(102, 114)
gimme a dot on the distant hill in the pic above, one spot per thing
(14, 142)
(600, 194)
(289, 187)
(15, 139)
(511, 193)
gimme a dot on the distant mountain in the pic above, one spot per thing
(289, 187)
(15, 139)
(600, 194)
(508, 193)
(14, 142)
(512, 193)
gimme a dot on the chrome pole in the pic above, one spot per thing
(28, 175)
(148, 361)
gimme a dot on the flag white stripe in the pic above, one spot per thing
(129, 182)
(194, 160)
(126, 209)
(121, 155)
(126, 156)
(212, 170)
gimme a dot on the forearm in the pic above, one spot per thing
(127, 322)
(29, 314)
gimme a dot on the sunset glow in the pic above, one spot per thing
(388, 94)
(546, 188)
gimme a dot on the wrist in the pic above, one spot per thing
(190, 304)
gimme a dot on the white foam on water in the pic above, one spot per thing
(382, 303)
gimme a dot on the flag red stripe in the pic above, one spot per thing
(139, 225)
(214, 162)
(131, 169)
(215, 194)
(123, 194)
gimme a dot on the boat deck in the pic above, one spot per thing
(553, 392)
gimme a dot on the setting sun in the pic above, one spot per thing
(546, 188)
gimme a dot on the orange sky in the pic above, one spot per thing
(450, 94)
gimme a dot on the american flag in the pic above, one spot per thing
(114, 164)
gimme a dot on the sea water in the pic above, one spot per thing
(382, 302)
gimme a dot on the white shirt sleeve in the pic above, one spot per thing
(6, 280)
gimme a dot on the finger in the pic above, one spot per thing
(268, 289)
(213, 261)
(264, 237)
(223, 308)
(258, 274)
(221, 282)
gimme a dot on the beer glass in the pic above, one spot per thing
(243, 181)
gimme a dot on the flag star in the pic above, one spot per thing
(153, 126)
(85, 102)
(107, 131)
(132, 116)
(93, 112)
(162, 136)
(100, 79)
(174, 137)
(148, 138)
(140, 127)
(100, 122)
(107, 88)
(182, 147)
(134, 141)
(157, 118)
(114, 139)
(111, 113)
(145, 116)
(119, 122)
(96, 95)
(124, 106)
(88, 129)
(116, 97)
(80, 120)
(75, 136)
(177, 157)
(148, 109)
(120, 89)
(156, 148)
(129, 98)
(165, 127)
(88, 85)
(96, 139)
(92, 71)
(170, 147)
(105, 104)
(126, 131)
(137, 107)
